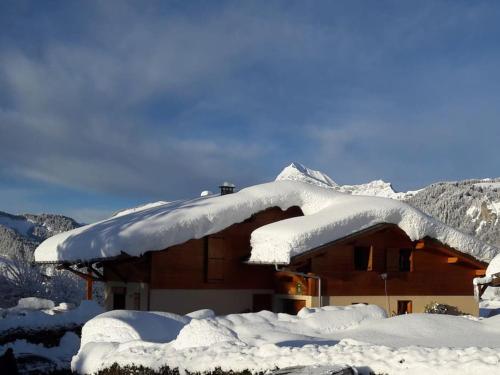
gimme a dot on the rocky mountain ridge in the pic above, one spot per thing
(21, 234)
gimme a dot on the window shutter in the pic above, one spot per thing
(392, 259)
(215, 259)
(370, 259)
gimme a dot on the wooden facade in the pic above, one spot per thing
(433, 269)
(367, 263)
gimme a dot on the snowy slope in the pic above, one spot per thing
(472, 206)
(328, 215)
(377, 188)
(21, 234)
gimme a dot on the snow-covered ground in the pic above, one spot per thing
(359, 335)
(32, 315)
(37, 313)
(59, 356)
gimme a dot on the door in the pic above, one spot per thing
(119, 294)
(404, 307)
(262, 302)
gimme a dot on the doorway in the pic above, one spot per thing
(404, 307)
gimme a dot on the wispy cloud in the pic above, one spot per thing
(161, 100)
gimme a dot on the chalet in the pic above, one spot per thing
(278, 246)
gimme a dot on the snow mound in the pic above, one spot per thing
(205, 332)
(334, 318)
(429, 330)
(43, 318)
(201, 314)
(121, 326)
(329, 215)
(34, 303)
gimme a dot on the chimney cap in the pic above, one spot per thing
(226, 188)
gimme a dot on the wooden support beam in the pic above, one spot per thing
(482, 289)
(84, 276)
(495, 282)
(90, 282)
(452, 260)
(96, 272)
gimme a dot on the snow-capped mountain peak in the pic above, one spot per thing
(299, 172)
(378, 188)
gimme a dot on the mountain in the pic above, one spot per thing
(472, 206)
(378, 188)
(21, 234)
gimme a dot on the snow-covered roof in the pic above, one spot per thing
(328, 216)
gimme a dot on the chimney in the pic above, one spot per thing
(226, 188)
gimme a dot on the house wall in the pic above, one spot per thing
(432, 277)
(210, 273)
(136, 295)
(217, 261)
(222, 301)
(201, 273)
(431, 273)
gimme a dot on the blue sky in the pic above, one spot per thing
(105, 105)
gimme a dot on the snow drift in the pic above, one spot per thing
(35, 313)
(328, 216)
(359, 335)
(122, 326)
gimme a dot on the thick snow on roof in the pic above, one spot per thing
(494, 266)
(139, 208)
(329, 215)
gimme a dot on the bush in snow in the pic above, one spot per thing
(125, 370)
(20, 277)
(442, 308)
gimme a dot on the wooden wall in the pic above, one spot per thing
(212, 262)
(431, 273)
(217, 262)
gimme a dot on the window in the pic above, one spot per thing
(404, 260)
(118, 298)
(398, 260)
(362, 259)
(404, 307)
